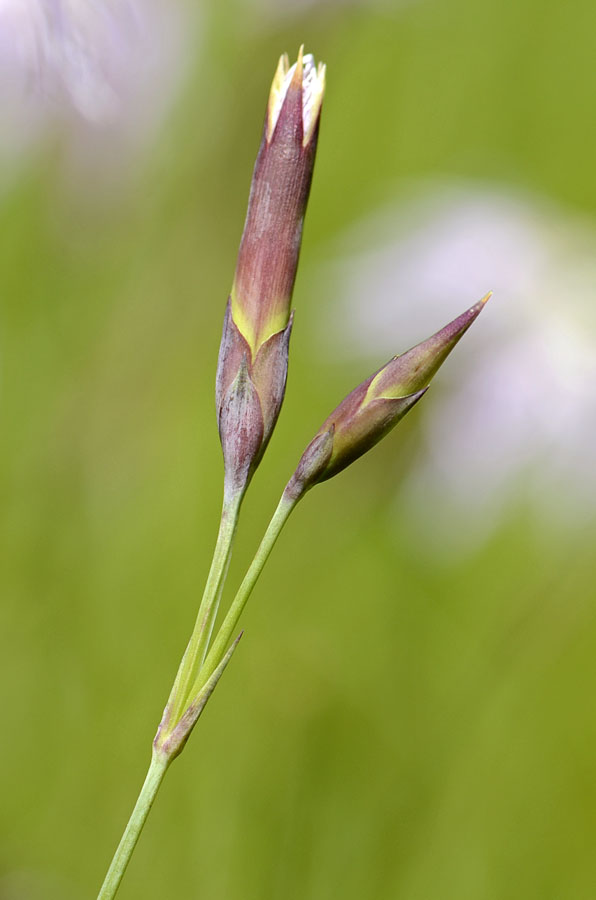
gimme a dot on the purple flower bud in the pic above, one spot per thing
(268, 255)
(258, 323)
(376, 406)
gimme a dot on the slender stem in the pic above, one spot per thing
(157, 770)
(218, 648)
(199, 641)
(192, 663)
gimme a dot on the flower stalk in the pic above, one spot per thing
(157, 770)
(194, 655)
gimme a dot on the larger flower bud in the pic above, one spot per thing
(376, 406)
(253, 357)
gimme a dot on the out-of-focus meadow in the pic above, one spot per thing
(411, 713)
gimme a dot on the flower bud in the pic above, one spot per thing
(257, 324)
(376, 406)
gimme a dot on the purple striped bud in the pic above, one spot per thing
(258, 323)
(376, 406)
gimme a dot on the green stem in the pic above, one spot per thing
(197, 646)
(228, 626)
(157, 770)
(193, 666)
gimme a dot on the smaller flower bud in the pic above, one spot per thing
(257, 325)
(376, 406)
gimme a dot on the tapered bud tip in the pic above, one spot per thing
(299, 68)
(475, 310)
(304, 76)
(415, 368)
(277, 93)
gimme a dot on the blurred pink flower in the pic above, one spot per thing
(87, 66)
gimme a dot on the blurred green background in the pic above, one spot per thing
(396, 723)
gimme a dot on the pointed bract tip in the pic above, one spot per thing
(479, 306)
(298, 70)
(283, 67)
(277, 93)
(416, 396)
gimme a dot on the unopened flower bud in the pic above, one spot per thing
(257, 324)
(375, 406)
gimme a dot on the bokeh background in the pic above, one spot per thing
(412, 711)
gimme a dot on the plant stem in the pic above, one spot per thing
(185, 689)
(217, 651)
(157, 770)
(199, 641)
